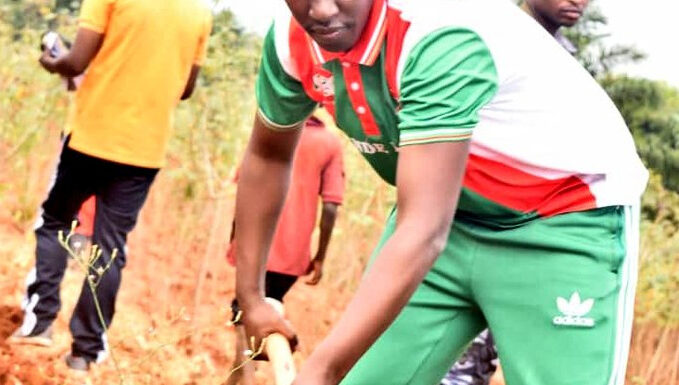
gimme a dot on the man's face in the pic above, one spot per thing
(336, 25)
(559, 12)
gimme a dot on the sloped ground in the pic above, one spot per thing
(171, 325)
(158, 335)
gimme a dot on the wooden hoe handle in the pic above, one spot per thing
(280, 355)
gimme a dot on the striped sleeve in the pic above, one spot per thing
(448, 77)
(282, 102)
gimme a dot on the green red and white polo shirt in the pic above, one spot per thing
(545, 138)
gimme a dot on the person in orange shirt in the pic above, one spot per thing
(142, 57)
(317, 171)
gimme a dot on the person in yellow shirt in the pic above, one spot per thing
(142, 57)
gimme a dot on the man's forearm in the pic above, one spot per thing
(377, 302)
(63, 66)
(261, 192)
(426, 207)
(327, 223)
(262, 186)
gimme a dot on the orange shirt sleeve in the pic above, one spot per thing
(201, 51)
(332, 182)
(95, 14)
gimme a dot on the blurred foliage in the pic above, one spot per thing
(21, 17)
(211, 130)
(32, 105)
(70, 6)
(651, 110)
(658, 286)
(588, 36)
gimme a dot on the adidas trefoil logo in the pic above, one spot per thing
(574, 312)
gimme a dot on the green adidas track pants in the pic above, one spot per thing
(557, 293)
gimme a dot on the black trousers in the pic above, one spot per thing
(276, 286)
(120, 192)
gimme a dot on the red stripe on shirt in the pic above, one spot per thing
(519, 190)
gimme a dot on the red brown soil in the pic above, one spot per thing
(159, 335)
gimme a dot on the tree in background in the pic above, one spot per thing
(68, 5)
(25, 15)
(651, 110)
(648, 107)
(594, 54)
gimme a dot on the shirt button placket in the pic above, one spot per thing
(355, 88)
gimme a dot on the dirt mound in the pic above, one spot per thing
(10, 319)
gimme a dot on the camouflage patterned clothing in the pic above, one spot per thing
(477, 365)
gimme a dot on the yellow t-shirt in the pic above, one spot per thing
(123, 109)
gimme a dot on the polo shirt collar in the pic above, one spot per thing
(367, 48)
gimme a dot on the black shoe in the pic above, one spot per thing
(77, 363)
(43, 338)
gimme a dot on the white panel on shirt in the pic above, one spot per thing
(549, 114)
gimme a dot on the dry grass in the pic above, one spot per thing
(171, 322)
(655, 355)
(171, 325)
